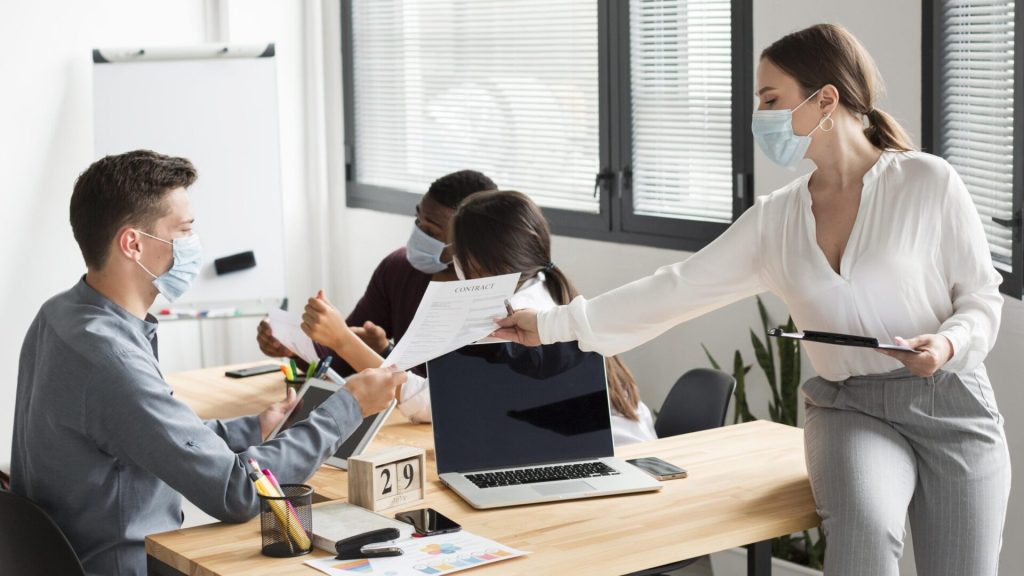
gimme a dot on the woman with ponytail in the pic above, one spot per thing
(494, 233)
(879, 240)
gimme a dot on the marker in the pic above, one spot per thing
(219, 313)
(277, 486)
(295, 368)
(266, 489)
(311, 369)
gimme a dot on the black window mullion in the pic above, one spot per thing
(1013, 281)
(742, 106)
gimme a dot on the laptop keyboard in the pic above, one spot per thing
(541, 474)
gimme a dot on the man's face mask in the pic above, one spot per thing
(188, 259)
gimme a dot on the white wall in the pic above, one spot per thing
(47, 140)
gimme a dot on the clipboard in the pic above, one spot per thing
(839, 339)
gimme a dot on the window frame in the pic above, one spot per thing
(931, 118)
(615, 221)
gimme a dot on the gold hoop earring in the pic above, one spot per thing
(831, 123)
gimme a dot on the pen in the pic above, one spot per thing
(508, 307)
(323, 367)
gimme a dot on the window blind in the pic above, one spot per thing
(507, 87)
(681, 87)
(976, 111)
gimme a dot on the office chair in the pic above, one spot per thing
(30, 543)
(697, 401)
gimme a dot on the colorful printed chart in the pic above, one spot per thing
(432, 556)
(354, 566)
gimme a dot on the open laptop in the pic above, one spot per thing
(312, 394)
(517, 425)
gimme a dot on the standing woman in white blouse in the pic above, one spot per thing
(881, 241)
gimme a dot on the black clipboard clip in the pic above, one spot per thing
(358, 546)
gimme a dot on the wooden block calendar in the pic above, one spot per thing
(387, 479)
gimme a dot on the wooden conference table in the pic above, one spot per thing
(747, 484)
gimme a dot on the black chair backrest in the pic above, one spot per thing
(698, 401)
(30, 542)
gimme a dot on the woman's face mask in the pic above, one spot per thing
(773, 132)
(423, 251)
(188, 259)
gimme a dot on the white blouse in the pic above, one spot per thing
(415, 400)
(917, 262)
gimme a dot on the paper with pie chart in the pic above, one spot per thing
(430, 556)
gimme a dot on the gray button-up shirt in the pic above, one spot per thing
(103, 446)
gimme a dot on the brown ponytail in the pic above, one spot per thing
(885, 132)
(503, 232)
(827, 54)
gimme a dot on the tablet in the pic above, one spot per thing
(839, 340)
(313, 393)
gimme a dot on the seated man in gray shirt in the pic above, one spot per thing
(100, 442)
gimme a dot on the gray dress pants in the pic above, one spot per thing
(882, 446)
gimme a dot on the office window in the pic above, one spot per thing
(970, 116)
(618, 118)
(681, 89)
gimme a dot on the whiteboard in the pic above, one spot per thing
(220, 113)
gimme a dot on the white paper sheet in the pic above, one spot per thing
(287, 328)
(452, 315)
(433, 556)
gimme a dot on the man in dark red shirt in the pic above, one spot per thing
(387, 307)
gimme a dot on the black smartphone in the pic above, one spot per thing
(658, 468)
(428, 521)
(252, 371)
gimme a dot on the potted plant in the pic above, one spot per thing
(781, 367)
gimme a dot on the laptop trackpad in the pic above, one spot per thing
(563, 488)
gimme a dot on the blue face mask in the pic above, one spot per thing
(423, 251)
(188, 259)
(773, 132)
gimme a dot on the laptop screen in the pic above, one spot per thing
(505, 405)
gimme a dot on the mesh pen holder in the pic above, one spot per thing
(287, 522)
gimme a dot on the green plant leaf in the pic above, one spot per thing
(765, 322)
(742, 412)
(714, 363)
(767, 364)
(789, 383)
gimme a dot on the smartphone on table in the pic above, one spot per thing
(658, 468)
(428, 522)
